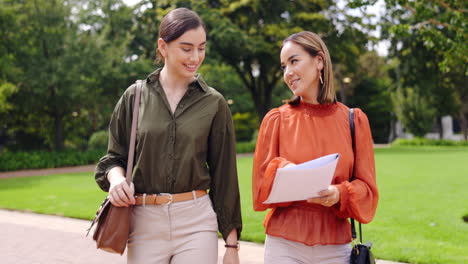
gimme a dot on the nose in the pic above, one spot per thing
(195, 56)
(288, 72)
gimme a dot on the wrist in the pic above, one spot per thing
(115, 175)
(235, 246)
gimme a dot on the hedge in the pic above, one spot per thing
(417, 141)
(20, 160)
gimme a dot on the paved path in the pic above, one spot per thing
(28, 238)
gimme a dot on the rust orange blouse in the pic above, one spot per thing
(296, 134)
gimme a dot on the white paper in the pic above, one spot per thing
(303, 181)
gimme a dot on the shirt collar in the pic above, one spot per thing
(153, 78)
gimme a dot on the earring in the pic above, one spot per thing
(321, 80)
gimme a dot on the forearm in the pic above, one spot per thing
(231, 239)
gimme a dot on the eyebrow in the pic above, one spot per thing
(290, 58)
(191, 44)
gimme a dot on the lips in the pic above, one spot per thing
(191, 67)
(293, 82)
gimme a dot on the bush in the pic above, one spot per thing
(98, 140)
(245, 147)
(245, 125)
(417, 141)
(21, 160)
(414, 110)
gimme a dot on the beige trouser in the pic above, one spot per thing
(282, 251)
(183, 232)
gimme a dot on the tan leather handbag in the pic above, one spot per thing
(113, 223)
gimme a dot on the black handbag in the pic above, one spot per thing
(360, 253)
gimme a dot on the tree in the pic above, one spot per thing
(69, 65)
(414, 111)
(438, 28)
(248, 36)
(371, 93)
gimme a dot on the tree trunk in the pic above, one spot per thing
(464, 124)
(58, 125)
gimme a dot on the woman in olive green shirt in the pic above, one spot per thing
(185, 146)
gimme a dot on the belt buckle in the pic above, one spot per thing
(170, 198)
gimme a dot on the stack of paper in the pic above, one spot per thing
(303, 181)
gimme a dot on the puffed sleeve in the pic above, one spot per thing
(224, 188)
(267, 161)
(358, 198)
(119, 136)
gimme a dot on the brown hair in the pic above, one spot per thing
(314, 45)
(175, 24)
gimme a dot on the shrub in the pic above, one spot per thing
(245, 125)
(245, 147)
(98, 140)
(38, 159)
(418, 141)
(414, 110)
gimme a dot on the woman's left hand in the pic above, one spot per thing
(327, 197)
(231, 256)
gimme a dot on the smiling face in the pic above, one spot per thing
(301, 71)
(184, 55)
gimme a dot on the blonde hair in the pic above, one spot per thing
(314, 45)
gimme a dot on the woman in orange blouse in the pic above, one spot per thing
(311, 125)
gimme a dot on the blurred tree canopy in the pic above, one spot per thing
(430, 40)
(65, 63)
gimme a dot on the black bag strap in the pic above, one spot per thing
(351, 126)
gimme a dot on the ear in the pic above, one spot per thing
(320, 61)
(162, 47)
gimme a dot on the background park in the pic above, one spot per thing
(65, 63)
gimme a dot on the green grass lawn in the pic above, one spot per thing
(419, 219)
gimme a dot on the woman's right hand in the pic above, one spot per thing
(120, 193)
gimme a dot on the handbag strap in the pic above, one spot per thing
(131, 149)
(351, 126)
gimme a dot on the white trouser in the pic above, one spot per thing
(177, 233)
(282, 251)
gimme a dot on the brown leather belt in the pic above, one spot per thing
(166, 198)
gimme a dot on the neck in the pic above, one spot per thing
(311, 98)
(171, 81)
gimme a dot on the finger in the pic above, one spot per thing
(115, 199)
(123, 197)
(326, 192)
(128, 191)
(132, 193)
(119, 195)
(315, 200)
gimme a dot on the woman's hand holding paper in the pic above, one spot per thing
(327, 197)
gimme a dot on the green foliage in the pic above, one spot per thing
(230, 86)
(245, 147)
(371, 93)
(429, 39)
(21, 160)
(247, 35)
(418, 141)
(245, 125)
(414, 111)
(6, 90)
(98, 140)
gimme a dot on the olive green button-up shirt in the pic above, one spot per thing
(190, 149)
